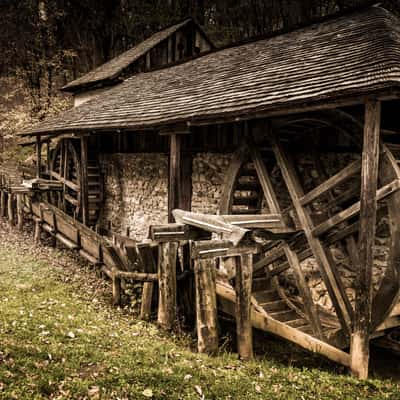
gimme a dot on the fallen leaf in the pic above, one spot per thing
(147, 393)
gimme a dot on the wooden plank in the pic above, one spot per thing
(176, 232)
(38, 148)
(220, 248)
(344, 215)
(243, 282)
(267, 221)
(368, 204)
(329, 184)
(261, 320)
(136, 276)
(167, 284)
(206, 306)
(84, 180)
(309, 307)
(332, 280)
(174, 181)
(211, 223)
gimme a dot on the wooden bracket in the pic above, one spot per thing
(221, 248)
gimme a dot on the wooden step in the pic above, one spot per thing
(272, 306)
(265, 296)
(260, 284)
(247, 186)
(296, 323)
(284, 316)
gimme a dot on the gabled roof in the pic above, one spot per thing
(113, 68)
(347, 56)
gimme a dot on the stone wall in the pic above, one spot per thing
(136, 191)
(209, 171)
(136, 188)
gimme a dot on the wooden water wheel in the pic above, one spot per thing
(321, 202)
(66, 167)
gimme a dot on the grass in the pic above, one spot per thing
(61, 339)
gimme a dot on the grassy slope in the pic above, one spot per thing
(60, 339)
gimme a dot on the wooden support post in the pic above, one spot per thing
(147, 296)
(84, 180)
(243, 282)
(38, 155)
(206, 306)
(174, 183)
(20, 211)
(116, 291)
(359, 350)
(167, 284)
(10, 208)
(2, 203)
(48, 156)
(38, 230)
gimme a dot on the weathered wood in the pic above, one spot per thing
(332, 280)
(291, 256)
(10, 208)
(167, 284)
(243, 282)
(344, 215)
(147, 297)
(20, 211)
(176, 232)
(2, 203)
(174, 181)
(266, 221)
(332, 182)
(38, 230)
(116, 291)
(220, 248)
(261, 320)
(240, 156)
(310, 308)
(206, 306)
(368, 204)
(388, 294)
(211, 223)
(38, 147)
(84, 180)
(137, 276)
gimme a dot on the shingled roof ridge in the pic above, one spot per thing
(130, 55)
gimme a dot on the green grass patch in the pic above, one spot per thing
(59, 341)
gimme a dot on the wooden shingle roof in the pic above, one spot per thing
(347, 56)
(113, 68)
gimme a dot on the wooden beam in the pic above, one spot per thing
(331, 278)
(368, 205)
(174, 181)
(244, 329)
(167, 258)
(206, 306)
(344, 215)
(38, 147)
(330, 183)
(261, 320)
(84, 180)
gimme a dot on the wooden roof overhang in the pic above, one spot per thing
(340, 62)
